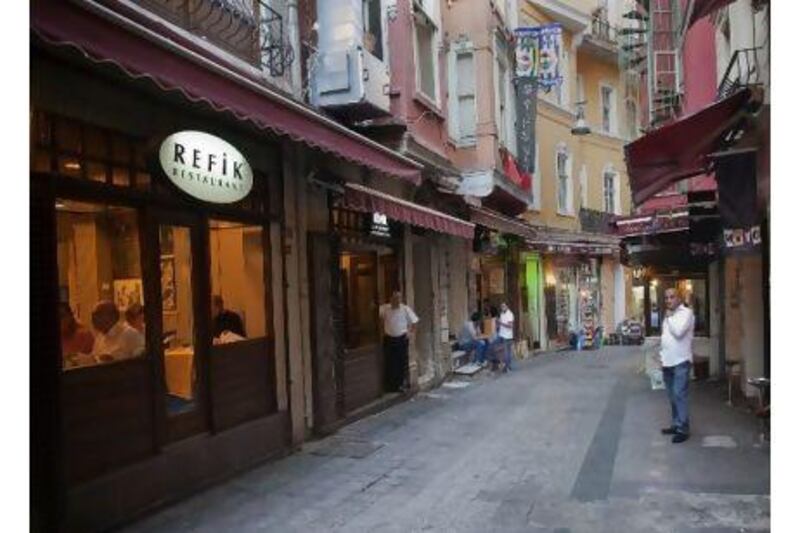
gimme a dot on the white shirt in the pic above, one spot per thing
(506, 332)
(677, 333)
(121, 342)
(397, 321)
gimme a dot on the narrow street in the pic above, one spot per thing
(568, 442)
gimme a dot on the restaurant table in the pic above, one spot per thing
(178, 371)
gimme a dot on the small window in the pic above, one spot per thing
(562, 171)
(607, 97)
(609, 191)
(465, 95)
(425, 47)
(373, 27)
(238, 285)
(100, 284)
(632, 119)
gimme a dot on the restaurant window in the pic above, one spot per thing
(100, 284)
(74, 149)
(238, 287)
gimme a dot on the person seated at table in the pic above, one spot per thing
(76, 339)
(134, 316)
(116, 339)
(469, 339)
(225, 320)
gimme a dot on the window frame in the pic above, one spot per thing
(421, 8)
(568, 209)
(461, 48)
(612, 109)
(505, 111)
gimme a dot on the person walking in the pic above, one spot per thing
(677, 332)
(399, 321)
(505, 334)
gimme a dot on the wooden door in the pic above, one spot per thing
(179, 253)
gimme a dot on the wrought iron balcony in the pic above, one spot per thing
(744, 70)
(603, 41)
(603, 30)
(248, 29)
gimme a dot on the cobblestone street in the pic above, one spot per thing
(569, 442)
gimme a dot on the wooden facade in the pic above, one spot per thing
(105, 446)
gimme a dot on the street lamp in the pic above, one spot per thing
(580, 127)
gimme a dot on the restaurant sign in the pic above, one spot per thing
(206, 167)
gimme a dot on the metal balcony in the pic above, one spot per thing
(247, 29)
(603, 41)
(744, 70)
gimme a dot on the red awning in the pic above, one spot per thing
(368, 200)
(677, 151)
(498, 222)
(703, 8)
(142, 53)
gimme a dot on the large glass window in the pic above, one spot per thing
(100, 284)
(238, 287)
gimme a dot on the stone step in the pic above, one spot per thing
(457, 354)
(469, 369)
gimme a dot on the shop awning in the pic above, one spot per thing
(498, 222)
(161, 55)
(678, 150)
(702, 8)
(366, 200)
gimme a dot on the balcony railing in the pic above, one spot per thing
(248, 29)
(744, 70)
(602, 30)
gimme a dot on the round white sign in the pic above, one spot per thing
(206, 167)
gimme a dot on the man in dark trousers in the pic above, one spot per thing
(677, 332)
(225, 320)
(398, 321)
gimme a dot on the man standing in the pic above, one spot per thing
(677, 333)
(398, 323)
(505, 334)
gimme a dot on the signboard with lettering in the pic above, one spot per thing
(206, 167)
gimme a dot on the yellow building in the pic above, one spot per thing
(580, 180)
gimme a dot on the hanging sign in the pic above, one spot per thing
(550, 47)
(206, 167)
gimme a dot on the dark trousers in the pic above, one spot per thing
(395, 362)
(676, 381)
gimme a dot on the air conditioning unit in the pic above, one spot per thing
(350, 82)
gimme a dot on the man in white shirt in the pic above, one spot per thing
(677, 333)
(115, 340)
(505, 334)
(398, 321)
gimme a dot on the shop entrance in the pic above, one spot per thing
(179, 346)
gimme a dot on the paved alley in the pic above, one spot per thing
(569, 442)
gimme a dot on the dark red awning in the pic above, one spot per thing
(366, 200)
(496, 221)
(141, 53)
(703, 8)
(677, 150)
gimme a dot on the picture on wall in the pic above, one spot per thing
(168, 290)
(128, 292)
